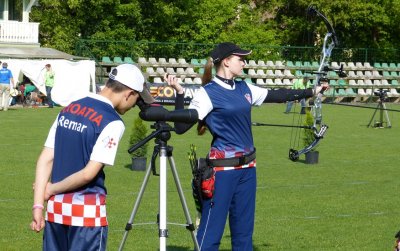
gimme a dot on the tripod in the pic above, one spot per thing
(383, 112)
(162, 135)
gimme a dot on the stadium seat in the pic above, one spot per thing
(180, 71)
(332, 74)
(203, 61)
(106, 60)
(334, 64)
(385, 73)
(260, 73)
(182, 62)
(350, 92)
(252, 63)
(298, 73)
(352, 82)
(351, 74)
(332, 82)
(359, 65)
(269, 81)
(170, 70)
(118, 60)
(315, 64)
(368, 91)
(260, 81)
(197, 81)
(341, 82)
(287, 82)
(157, 80)
(279, 63)
(393, 74)
(376, 74)
(329, 93)
(361, 92)
(394, 82)
(393, 93)
(351, 65)
(298, 64)
(270, 63)
(278, 81)
(385, 65)
(150, 71)
(188, 81)
(360, 74)
(341, 92)
(361, 81)
(128, 60)
(190, 71)
(368, 74)
(278, 73)
(162, 61)
(368, 82)
(252, 73)
(153, 61)
(289, 64)
(142, 61)
(160, 71)
(377, 82)
(260, 63)
(270, 73)
(287, 72)
(172, 62)
(384, 82)
(194, 61)
(367, 65)
(377, 65)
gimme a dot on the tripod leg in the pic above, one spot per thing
(163, 231)
(190, 224)
(373, 116)
(128, 226)
(389, 125)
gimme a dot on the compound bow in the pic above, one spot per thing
(319, 129)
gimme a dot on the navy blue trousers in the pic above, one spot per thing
(235, 193)
(58, 237)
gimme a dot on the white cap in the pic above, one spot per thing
(130, 76)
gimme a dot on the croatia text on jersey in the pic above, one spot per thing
(79, 110)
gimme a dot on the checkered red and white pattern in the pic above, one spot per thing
(77, 209)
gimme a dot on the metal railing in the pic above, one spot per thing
(97, 49)
(19, 32)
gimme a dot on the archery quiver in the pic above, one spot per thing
(203, 179)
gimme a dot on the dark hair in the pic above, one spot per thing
(116, 86)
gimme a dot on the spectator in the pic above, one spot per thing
(49, 83)
(6, 84)
(83, 139)
(299, 84)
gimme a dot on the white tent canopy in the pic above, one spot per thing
(72, 80)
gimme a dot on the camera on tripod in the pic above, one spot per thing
(381, 94)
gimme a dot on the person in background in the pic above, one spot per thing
(82, 141)
(224, 107)
(299, 84)
(49, 83)
(6, 84)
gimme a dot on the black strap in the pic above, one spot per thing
(236, 161)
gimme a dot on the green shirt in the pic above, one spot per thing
(298, 84)
(49, 78)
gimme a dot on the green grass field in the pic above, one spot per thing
(346, 202)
